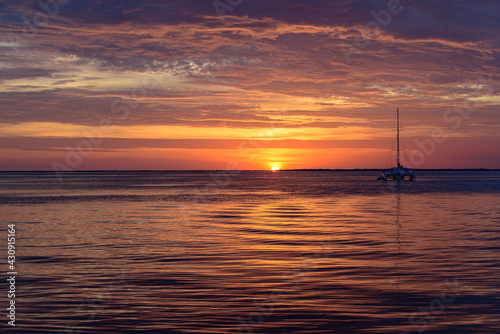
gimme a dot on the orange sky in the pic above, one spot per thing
(288, 84)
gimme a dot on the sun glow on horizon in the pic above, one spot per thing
(275, 169)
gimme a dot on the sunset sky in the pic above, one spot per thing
(248, 83)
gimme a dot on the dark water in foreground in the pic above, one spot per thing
(256, 252)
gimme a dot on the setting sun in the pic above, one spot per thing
(275, 169)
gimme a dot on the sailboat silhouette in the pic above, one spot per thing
(398, 173)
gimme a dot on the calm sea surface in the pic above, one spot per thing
(253, 252)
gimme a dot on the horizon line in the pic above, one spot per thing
(243, 170)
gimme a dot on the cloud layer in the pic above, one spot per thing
(317, 70)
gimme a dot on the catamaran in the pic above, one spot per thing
(398, 173)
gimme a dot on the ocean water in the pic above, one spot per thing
(253, 252)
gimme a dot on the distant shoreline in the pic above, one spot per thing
(379, 169)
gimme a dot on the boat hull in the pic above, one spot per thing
(398, 174)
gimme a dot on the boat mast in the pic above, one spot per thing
(398, 137)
